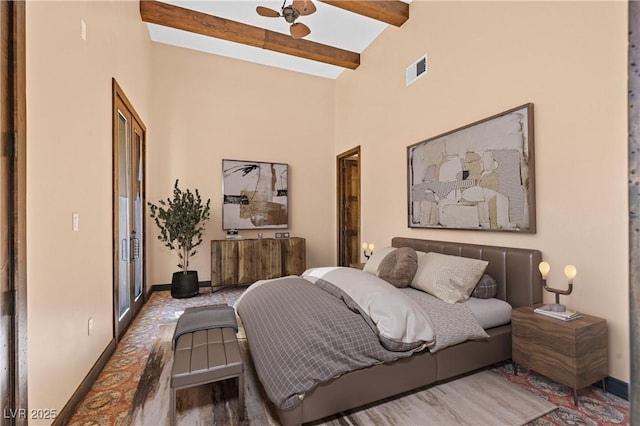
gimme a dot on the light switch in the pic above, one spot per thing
(83, 29)
(75, 218)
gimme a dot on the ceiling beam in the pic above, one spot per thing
(394, 12)
(156, 12)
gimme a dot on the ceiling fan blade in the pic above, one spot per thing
(299, 30)
(304, 7)
(265, 11)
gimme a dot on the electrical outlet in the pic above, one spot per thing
(90, 326)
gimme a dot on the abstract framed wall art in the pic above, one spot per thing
(477, 177)
(255, 195)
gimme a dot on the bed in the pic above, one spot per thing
(517, 281)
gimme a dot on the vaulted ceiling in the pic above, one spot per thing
(340, 30)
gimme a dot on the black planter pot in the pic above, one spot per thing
(184, 285)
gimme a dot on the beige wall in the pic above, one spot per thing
(69, 170)
(570, 60)
(198, 109)
(209, 108)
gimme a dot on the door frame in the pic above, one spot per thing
(634, 217)
(13, 146)
(120, 99)
(340, 189)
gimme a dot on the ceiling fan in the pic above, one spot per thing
(290, 13)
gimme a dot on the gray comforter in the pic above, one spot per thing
(299, 335)
(302, 332)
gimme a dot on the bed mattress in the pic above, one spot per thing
(490, 312)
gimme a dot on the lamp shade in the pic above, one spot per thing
(364, 245)
(570, 272)
(544, 268)
(372, 247)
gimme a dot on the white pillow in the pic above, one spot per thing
(374, 261)
(399, 319)
(449, 278)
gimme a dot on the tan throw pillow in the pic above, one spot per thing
(449, 278)
(399, 267)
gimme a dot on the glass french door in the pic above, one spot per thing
(129, 173)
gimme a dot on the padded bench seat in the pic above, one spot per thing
(206, 356)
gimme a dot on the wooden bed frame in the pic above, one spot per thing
(519, 283)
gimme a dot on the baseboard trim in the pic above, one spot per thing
(64, 416)
(164, 287)
(615, 386)
(160, 287)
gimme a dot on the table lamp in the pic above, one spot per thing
(570, 272)
(369, 246)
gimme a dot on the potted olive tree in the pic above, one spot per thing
(181, 221)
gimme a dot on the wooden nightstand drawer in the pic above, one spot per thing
(574, 338)
(573, 352)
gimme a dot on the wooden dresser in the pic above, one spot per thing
(241, 262)
(574, 353)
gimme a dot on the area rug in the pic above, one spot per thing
(484, 398)
(110, 401)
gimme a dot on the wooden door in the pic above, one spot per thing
(13, 285)
(294, 256)
(348, 165)
(259, 259)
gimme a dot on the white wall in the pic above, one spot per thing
(570, 60)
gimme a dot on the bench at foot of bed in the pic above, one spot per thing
(206, 356)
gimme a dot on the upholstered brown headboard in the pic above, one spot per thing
(514, 269)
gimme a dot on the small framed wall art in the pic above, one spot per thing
(477, 177)
(254, 195)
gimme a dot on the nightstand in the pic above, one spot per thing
(574, 353)
(357, 265)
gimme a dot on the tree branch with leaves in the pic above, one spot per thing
(181, 222)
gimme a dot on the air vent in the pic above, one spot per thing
(416, 69)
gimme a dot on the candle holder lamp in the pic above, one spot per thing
(370, 247)
(570, 272)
